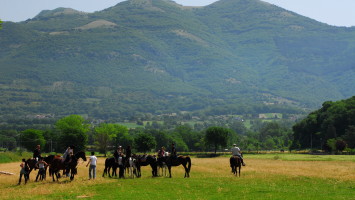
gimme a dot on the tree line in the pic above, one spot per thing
(331, 128)
(104, 137)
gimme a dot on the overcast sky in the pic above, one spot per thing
(332, 12)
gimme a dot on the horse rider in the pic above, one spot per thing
(236, 152)
(161, 152)
(173, 152)
(68, 153)
(118, 153)
(37, 153)
(119, 160)
(128, 153)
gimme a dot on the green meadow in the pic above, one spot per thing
(290, 176)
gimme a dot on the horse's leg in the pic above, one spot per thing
(169, 168)
(184, 165)
(240, 167)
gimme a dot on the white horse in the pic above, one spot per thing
(163, 165)
(131, 167)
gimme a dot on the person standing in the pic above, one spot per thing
(236, 152)
(92, 168)
(24, 171)
(41, 165)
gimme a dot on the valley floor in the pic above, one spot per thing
(211, 178)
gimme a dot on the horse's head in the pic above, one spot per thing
(81, 155)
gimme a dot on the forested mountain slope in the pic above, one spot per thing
(233, 56)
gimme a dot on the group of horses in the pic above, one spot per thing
(132, 165)
(56, 164)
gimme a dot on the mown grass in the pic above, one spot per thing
(210, 179)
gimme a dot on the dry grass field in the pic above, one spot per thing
(259, 174)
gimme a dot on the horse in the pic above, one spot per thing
(110, 163)
(185, 161)
(162, 164)
(57, 164)
(32, 164)
(235, 163)
(145, 161)
(131, 166)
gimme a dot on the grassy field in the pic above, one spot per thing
(287, 176)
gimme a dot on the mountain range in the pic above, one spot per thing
(156, 56)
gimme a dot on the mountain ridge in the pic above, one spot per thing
(157, 56)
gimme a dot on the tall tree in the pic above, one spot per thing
(73, 131)
(144, 142)
(31, 138)
(217, 136)
(104, 135)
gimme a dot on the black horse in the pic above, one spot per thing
(110, 163)
(236, 164)
(146, 160)
(32, 164)
(185, 161)
(57, 164)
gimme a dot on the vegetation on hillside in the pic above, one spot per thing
(331, 127)
(139, 57)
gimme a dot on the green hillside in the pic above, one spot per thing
(140, 56)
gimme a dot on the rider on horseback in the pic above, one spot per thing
(67, 154)
(173, 152)
(161, 152)
(37, 153)
(118, 153)
(128, 152)
(236, 152)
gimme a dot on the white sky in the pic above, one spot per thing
(332, 12)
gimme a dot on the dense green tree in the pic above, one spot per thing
(104, 135)
(329, 122)
(162, 138)
(349, 136)
(144, 142)
(217, 136)
(30, 138)
(122, 136)
(72, 131)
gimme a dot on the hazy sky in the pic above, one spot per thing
(333, 12)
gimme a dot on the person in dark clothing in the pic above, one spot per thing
(37, 153)
(128, 152)
(117, 153)
(24, 171)
(173, 151)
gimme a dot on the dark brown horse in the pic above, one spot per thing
(145, 161)
(57, 164)
(32, 163)
(185, 161)
(110, 163)
(236, 164)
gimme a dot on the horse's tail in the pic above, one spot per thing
(188, 159)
